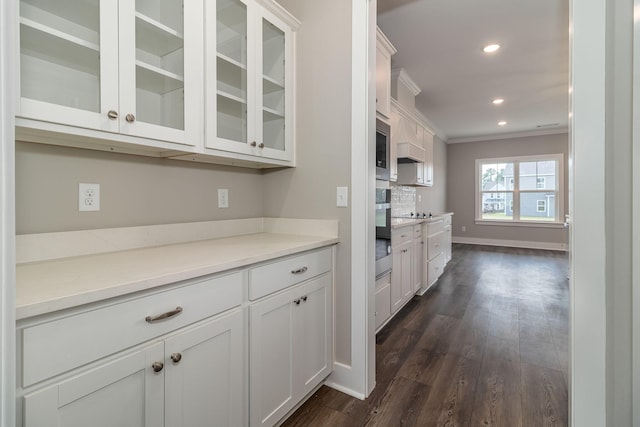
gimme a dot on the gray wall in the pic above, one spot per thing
(323, 140)
(135, 190)
(434, 199)
(461, 185)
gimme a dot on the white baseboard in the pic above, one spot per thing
(511, 243)
(339, 379)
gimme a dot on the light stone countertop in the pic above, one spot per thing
(405, 222)
(47, 286)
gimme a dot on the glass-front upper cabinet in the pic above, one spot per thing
(130, 67)
(249, 80)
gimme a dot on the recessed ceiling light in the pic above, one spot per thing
(490, 48)
(498, 101)
(502, 123)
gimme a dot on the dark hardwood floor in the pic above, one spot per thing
(486, 346)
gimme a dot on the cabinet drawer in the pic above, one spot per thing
(417, 231)
(435, 267)
(269, 278)
(401, 235)
(60, 345)
(435, 245)
(435, 227)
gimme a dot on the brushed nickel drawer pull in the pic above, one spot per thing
(168, 314)
(304, 298)
(157, 366)
(176, 357)
(300, 270)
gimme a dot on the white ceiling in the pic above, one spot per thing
(439, 45)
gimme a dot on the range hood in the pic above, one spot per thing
(408, 148)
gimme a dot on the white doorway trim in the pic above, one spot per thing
(588, 385)
(8, 15)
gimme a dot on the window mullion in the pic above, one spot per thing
(516, 191)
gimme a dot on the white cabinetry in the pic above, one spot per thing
(447, 237)
(290, 334)
(76, 369)
(418, 256)
(249, 80)
(384, 51)
(434, 254)
(401, 274)
(427, 143)
(122, 67)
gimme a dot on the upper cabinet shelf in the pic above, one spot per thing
(156, 38)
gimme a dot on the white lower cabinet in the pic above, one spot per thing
(190, 379)
(123, 392)
(402, 271)
(290, 343)
(204, 374)
(187, 355)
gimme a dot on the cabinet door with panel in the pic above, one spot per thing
(401, 280)
(249, 74)
(204, 374)
(126, 391)
(128, 67)
(290, 348)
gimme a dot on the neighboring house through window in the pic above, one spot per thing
(520, 189)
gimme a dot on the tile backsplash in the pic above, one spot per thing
(403, 199)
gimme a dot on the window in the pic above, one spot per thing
(524, 189)
(542, 205)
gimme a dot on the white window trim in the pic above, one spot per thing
(560, 190)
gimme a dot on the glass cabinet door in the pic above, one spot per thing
(68, 62)
(154, 81)
(273, 86)
(231, 97)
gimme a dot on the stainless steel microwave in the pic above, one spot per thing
(383, 139)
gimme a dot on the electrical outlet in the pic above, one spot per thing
(88, 197)
(464, 228)
(223, 197)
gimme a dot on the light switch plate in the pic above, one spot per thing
(342, 197)
(223, 197)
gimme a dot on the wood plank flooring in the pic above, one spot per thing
(487, 346)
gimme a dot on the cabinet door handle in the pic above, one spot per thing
(157, 366)
(299, 270)
(168, 314)
(176, 357)
(304, 298)
(297, 301)
(130, 118)
(261, 145)
(253, 144)
(112, 114)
